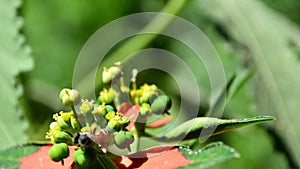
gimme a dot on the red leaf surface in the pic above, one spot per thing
(41, 160)
(161, 122)
(166, 157)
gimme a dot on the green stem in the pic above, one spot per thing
(139, 131)
(75, 115)
(139, 42)
(156, 25)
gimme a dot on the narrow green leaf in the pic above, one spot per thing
(238, 83)
(233, 85)
(273, 45)
(206, 126)
(15, 58)
(209, 155)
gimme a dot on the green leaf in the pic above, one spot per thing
(238, 83)
(10, 158)
(233, 85)
(273, 45)
(209, 155)
(206, 126)
(15, 58)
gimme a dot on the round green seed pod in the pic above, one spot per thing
(58, 152)
(84, 156)
(123, 139)
(161, 104)
(130, 137)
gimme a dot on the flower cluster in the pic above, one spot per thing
(97, 125)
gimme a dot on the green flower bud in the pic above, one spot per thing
(114, 70)
(61, 137)
(54, 126)
(109, 108)
(106, 96)
(161, 104)
(58, 152)
(109, 74)
(84, 157)
(106, 76)
(69, 97)
(62, 123)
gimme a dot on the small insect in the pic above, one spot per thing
(102, 138)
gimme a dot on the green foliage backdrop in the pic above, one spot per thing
(263, 35)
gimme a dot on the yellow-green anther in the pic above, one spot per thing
(145, 109)
(75, 124)
(101, 110)
(106, 96)
(124, 121)
(86, 106)
(69, 97)
(66, 115)
(113, 124)
(110, 115)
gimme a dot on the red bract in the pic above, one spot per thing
(156, 157)
(41, 160)
(166, 157)
(161, 122)
(132, 112)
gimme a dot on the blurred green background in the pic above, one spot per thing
(247, 33)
